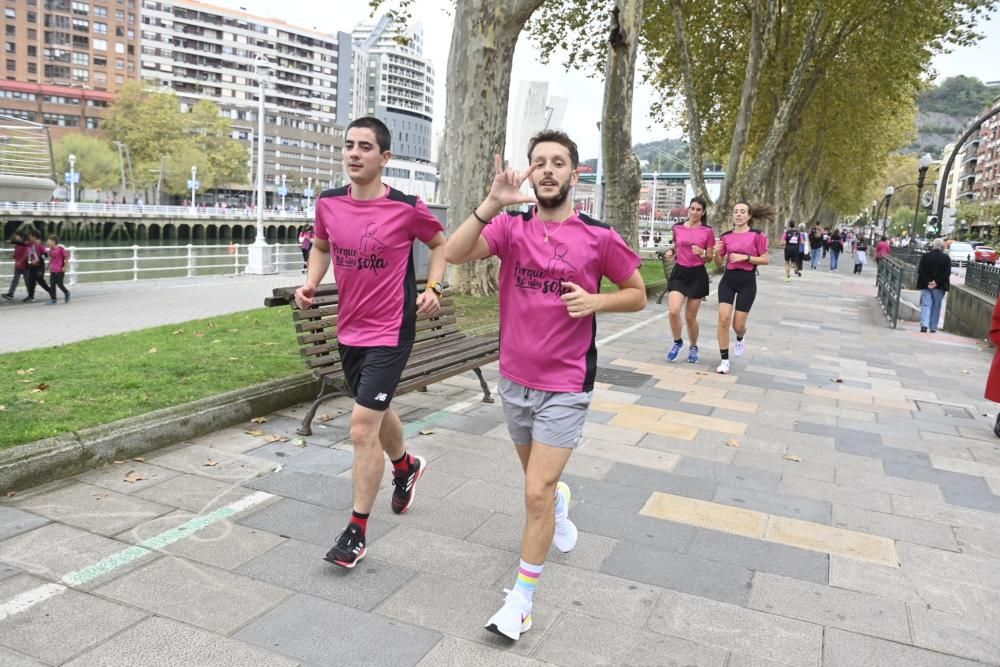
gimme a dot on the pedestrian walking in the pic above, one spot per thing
(694, 243)
(553, 259)
(36, 266)
(933, 279)
(306, 237)
(58, 256)
(860, 255)
(882, 249)
(815, 246)
(377, 314)
(743, 249)
(836, 247)
(993, 379)
(803, 249)
(790, 242)
(20, 243)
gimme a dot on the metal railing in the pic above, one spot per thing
(24, 148)
(131, 210)
(889, 284)
(983, 278)
(99, 264)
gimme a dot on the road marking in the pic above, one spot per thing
(39, 594)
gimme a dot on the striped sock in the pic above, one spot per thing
(527, 579)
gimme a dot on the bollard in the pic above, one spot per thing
(135, 263)
(72, 264)
(236, 258)
(190, 261)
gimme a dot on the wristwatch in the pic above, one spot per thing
(436, 286)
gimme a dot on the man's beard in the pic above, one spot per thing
(554, 201)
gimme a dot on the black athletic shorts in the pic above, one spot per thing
(691, 281)
(373, 373)
(791, 253)
(740, 287)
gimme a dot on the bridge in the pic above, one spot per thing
(128, 222)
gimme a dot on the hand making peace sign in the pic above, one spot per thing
(506, 188)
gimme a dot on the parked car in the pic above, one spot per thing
(960, 253)
(986, 254)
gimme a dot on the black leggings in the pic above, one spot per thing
(739, 287)
(57, 281)
(37, 277)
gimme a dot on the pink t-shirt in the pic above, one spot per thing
(541, 346)
(882, 249)
(370, 248)
(685, 237)
(752, 242)
(57, 259)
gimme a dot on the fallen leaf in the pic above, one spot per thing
(3, 408)
(259, 420)
(255, 432)
(212, 325)
(210, 463)
(139, 459)
(178, 332)
(11, 494)
(233, 330)
(199, 334)
(325, 418)
(152, 350)
(270, 343)
(733, 442)
(789, 457)
(132, 477)
(42, 386)
(26, 371)
(299, 442)
(965, 372)
(427, 431)
(234, 358)
(838, 381)
(217, 340)
(118, 461)
(276, 438)
(100, 496)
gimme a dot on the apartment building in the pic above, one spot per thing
(987, 183)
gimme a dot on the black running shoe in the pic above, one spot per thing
(405, 486)
(350, 548)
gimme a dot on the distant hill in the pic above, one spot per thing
(945, 110)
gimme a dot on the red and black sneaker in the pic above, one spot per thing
(405, 485)
(350, 548)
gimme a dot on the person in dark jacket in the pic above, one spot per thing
(933, 276)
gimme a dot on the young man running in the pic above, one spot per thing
(377, 313)
(553, 259)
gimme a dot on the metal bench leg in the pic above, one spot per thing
(659, 299)
(487, 397)
(306, 428)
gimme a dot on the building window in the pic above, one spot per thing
(100, 28)
(100, 61)
(81, 58)
(100, 45)
(100, 11)
(32, 51)
(9, 13)
(32, 17)
(119, 47)
(62, 120)
(93, 123)
(10, 47)
(56, 72)
(81, 75)
(81, 8)
(10, 30)
(10, 65)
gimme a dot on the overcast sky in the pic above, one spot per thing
(585, 93)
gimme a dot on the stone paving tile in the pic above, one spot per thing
(829, 606)
(900, 528)
(704, 514)
(592, 467)
(310, 523)
(594, 594)
(943, 513)
(112, 476)
(730, 475)
(895, 583)
(323, 490)
(454, 652)
(194, 493)
(806, 467)
(853, 477)
(311, 458)
(365, 639)
(161, 642)
(15, 521)
(55, 550)
(616, 452)
(744, 631)
(984, 543)
(11, 658)
(758, 555)
(957, 488)
(834, 494)
(947, 633)
(985, 454)
(831, 540)
(206, 597)
(495, 497)
(848, 649)
(502, 531)
(959, 567)
(679, 572)
(53, 630)
(990, 602)
(672, 402)
(581, 640)
(817, 511)
(94, 508)
(655, 480)
(505, 470)
(974, 468)
(213, 463)
(706, 445)
(459, 610)
(445, 556)
(223, 544)
(656, 533)
(299, 566)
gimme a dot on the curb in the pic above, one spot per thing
(53, 458)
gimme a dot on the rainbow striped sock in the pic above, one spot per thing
(527, 579)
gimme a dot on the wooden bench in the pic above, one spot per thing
(440, 349)
(668, 266)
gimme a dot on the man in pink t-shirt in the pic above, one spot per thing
(367, 230)
(553, 259)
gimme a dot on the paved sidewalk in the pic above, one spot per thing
(101, 309)
(833, 501)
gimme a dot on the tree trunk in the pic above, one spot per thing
(691, 101)
(478, 87)
(621, 167)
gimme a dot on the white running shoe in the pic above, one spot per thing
(740, 347)
(513, 618)
(723, 367)
(566, 533)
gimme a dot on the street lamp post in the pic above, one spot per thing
(309, 194)
(871, 228)
(889, 192)
(283, 191)
(193, 184)
(260, 260)
(72, 181)
(924, 165)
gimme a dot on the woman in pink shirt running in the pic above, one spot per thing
(694, 242)
(58, 257)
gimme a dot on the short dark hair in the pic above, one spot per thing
(558, 137)
(53, 237)
(34, 233)
(382, 135)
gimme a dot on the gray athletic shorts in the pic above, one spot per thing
(551, 417)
